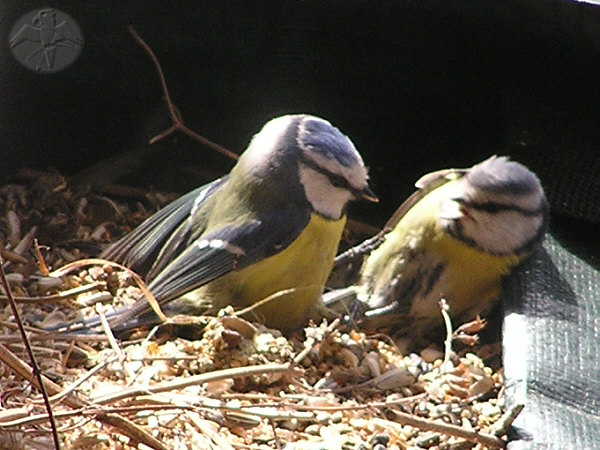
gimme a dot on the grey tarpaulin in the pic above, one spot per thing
(551, 340)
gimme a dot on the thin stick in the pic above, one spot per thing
(444, 308)
(488, 440)
(272, 297)
(40, 259)
(138, 280)
(504, 423)
(274, 428)
(359, 250)
(40, 335)
(193, 380)
(90, 373)
(370, 405)
(26, 418)
(35, 367)
(109, 334)
(23, 417)
(133, 431)
(126, 427)
(175, 116)
(58, 296)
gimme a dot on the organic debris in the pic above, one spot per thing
(235, 385)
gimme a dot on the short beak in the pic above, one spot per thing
(367, 194)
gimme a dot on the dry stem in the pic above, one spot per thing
(35, 368)
(175, 116)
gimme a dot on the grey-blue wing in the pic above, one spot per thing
(140, 248)
(214, 254)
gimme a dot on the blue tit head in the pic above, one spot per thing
(307, 160)
(498, 206)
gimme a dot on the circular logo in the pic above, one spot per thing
(46, 40)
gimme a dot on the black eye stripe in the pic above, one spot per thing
(335, 179)
(338, 181)
(493, 208)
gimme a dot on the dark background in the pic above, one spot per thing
(418, 85)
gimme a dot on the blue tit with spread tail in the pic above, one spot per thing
(455, 238)
(270, 228)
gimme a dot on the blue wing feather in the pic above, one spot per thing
(138, 249)
(217, 253)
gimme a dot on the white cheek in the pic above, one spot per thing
(326, 199)
(501, 233)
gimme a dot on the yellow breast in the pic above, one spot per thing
(471, 280)
(298, 274)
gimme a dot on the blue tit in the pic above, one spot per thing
(271, 227)
(455, 238)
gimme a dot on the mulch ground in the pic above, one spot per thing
(231, 383)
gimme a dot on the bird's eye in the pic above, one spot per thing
(488, 207)
(338, 181)
(492, 207)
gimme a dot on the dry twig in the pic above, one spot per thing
(58, 296)
(444, 308)
(504, 423)
(175, 116)
(120, 423)
(275, 296)
(358, 251)
(138, 280)
(195, 379)
(488, 440)
(36, 370)
(43, 268)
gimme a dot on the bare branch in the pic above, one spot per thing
(175, 116)
(36, 370)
